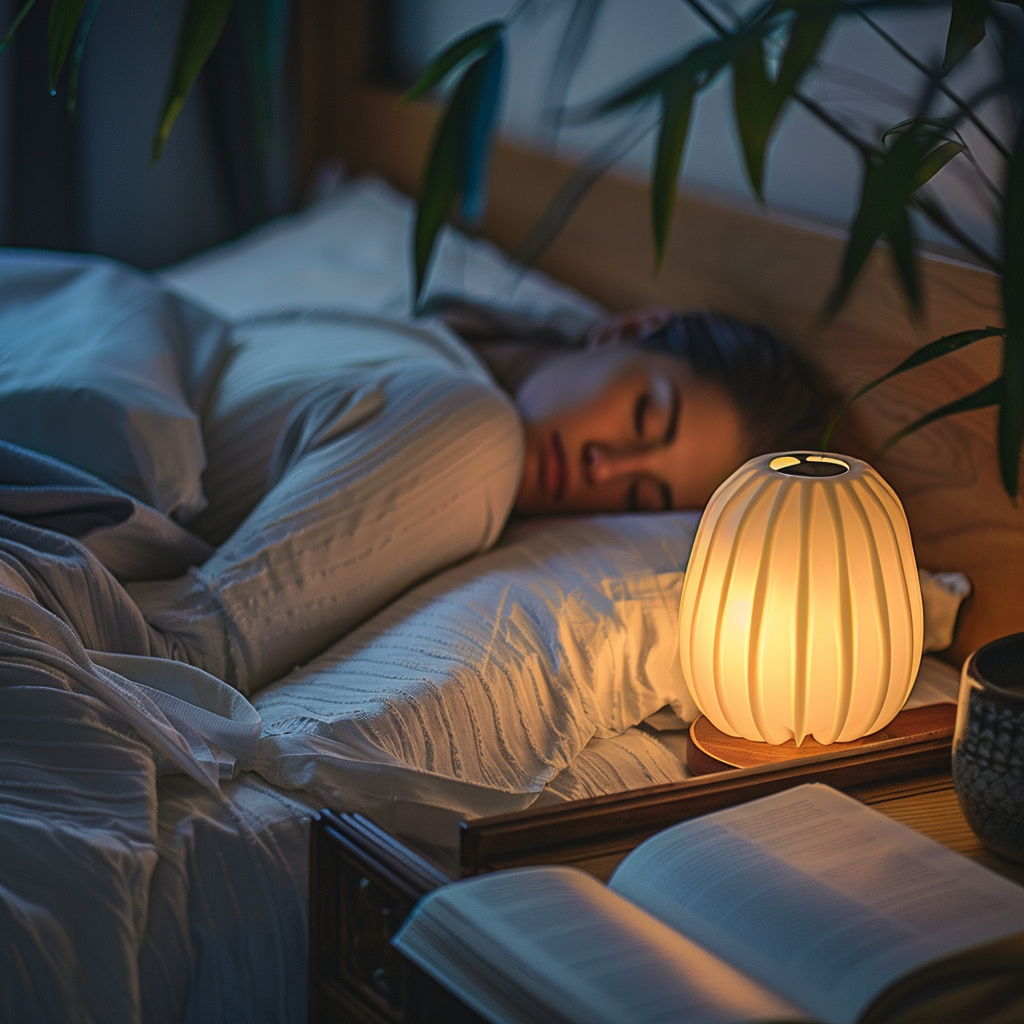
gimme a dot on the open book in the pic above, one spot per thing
(802, 906)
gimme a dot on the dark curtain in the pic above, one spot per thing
(42, 203)
(85, 183)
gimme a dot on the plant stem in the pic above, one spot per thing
(704, 13)
(864, 147)
(939, 84)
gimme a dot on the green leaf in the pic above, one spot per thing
(990, 394)
(201, 26)
(887, 186)
(805, 38)
(477, 129)
(756, 105)
(966, 29)
(64, 18)
(933, 350)
(448, 59)
(675, 85)
(17, 21)
(700, 64)
(900, 237)
(676, 105)
(935, 161)
(443, 174)
(1011, 414)
(758, 102)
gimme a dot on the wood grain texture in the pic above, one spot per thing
(712, 750)
(935, 812)
(601, 829)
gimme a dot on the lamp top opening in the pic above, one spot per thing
(809, 465)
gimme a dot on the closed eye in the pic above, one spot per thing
(656, 411)
(643, 403)
(648, 494)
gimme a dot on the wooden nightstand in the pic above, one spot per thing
(363, 882)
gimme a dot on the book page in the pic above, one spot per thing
(819, 896)
(552, 944)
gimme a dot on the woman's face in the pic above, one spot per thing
(624, 429)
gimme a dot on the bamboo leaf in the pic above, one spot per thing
(201, 26)
(966, 29)
(17, 21)
(805, 39)
(756, 106)
(676, 105)
(484, 88)
(758, 102)
(437, 191)
(443, 175)
(701, 65)
(1011, 414)
(933, 350)
(887, 186)
(64, 18)
(935, 161)
(901, 244)
(466, 46)
(990, 394)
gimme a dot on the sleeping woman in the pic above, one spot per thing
(349, 458)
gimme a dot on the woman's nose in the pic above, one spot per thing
(604, 463)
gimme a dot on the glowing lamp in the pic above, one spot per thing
(801, 608)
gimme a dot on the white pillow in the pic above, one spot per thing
(476, 688)
(350, 251)
(101, 369)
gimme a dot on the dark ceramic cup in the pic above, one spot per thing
(988, 745)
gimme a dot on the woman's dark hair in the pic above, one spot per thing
(781, 399)
(783, 402)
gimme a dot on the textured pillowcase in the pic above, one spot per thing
(489, 679)
(101, 369)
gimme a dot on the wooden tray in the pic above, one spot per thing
(712, 750)
(363, 881)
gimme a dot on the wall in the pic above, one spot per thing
(810, 172)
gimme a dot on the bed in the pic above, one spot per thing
(196, 894)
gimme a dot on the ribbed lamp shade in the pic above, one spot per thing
(801, 608)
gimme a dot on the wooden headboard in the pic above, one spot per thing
(739, 261)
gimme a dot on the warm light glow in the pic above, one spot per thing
(801, 607)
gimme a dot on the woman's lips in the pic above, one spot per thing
(553, 470)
